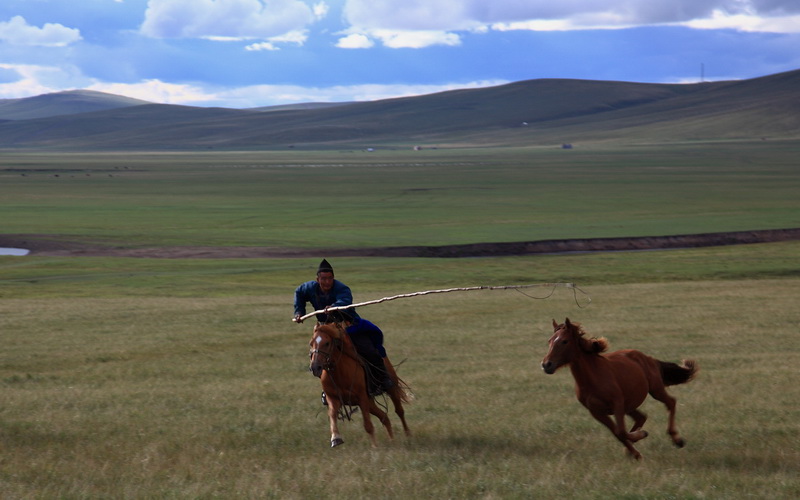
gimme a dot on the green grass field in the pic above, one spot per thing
(385, 198)
(157, 378)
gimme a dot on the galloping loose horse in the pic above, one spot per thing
(341, 370)
(616, 383)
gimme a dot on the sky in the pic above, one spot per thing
(250, 53)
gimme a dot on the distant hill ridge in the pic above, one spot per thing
(533, 112)
(68, 102)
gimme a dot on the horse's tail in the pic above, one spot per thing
(674, 374)
(400, 389)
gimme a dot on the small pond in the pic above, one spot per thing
(13, 251)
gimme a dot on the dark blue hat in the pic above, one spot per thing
(324, 267)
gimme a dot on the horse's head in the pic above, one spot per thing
(567, 342)
(326, 342)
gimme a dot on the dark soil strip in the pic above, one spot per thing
(52, 245)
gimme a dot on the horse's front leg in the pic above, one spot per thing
(619, 417)
(333, 415)
(618, 429)
(639, 418)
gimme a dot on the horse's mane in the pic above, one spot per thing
(336, 331)
(332, 328)
(590, 345)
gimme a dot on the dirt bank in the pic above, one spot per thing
(52, 245)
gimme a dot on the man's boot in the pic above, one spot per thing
(377, 377)
(381, 381)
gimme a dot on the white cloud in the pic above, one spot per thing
(157, 91)
(398, 39)
(744, 22)
(537, 25)
(416, 39)
(256, 47)
(17, 31)
(355, 41)
(394, 23)
(270, 95)
(296, 37)
(320, 10)
(227, 19)
(32, 80)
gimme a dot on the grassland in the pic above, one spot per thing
(386, 198)
(157, 378)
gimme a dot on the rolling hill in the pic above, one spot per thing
(534, 112)
(69, 102)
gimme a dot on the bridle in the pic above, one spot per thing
(328, 363)
(326, 359)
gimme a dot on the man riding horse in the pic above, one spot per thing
(325, 292)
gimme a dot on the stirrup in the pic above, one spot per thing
(382, 387)
(324, 399)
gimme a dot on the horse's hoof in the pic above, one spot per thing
(680, 442)
(336, 442)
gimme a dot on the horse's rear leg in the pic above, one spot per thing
(398, 408)
(382, 416)
(396, 395)
(366, 409)
(401, 413)
(661, 394)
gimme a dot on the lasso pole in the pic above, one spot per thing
(444, 290)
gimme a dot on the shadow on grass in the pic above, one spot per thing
(491, 446)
